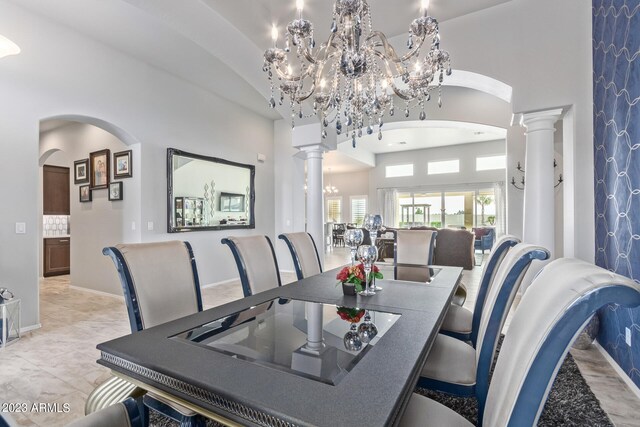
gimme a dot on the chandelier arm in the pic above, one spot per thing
(305, 96)
(314, 59)
(290, 77)
(404, 95)
(387, 66)
(384, 43)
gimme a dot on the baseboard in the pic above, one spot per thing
(30, 328)
(223, 282)
(93, 291)
(622, 374)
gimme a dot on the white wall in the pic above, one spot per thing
(349, 184)
(542, 49)
(466, 153)
(60, 72)
(289, 198)
(99, 223)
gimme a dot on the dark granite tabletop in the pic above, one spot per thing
(374, 393)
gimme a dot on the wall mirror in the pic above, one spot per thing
(208, 193)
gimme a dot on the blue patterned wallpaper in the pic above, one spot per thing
(616, 108)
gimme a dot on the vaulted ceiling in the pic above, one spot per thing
(218, 44)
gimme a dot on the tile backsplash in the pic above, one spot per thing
(56, 225)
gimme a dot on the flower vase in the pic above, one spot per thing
(348, 288)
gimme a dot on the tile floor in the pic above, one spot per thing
(57, 363)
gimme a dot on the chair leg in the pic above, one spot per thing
(144, 411)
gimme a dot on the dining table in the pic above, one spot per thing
(302, 354)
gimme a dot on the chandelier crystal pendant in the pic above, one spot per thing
(352, 77)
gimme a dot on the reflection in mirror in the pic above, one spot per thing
(207, 193)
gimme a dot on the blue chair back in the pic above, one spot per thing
(256, 262)
(304, 252)
(497, 303)
(495, 259)
(561, 300)
(159, 281)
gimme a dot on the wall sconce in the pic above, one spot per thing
(521, 169)
(7, 47)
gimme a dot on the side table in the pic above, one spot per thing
(9, 321)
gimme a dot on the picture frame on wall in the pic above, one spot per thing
(115, 191)
(122, 165)
(85, 193)
(99, 169)
(81, 171)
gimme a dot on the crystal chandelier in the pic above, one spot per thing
(330, 189)
(353, 76)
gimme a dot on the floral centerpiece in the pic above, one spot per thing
(355, 274)
(350, 314)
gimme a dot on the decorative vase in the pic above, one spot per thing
(352, 341)
(348, 288)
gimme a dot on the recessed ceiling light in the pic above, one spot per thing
(391, 144)
(478, 133)
(7, 47)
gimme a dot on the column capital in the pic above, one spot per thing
(539, 120)
(311, 135)
(312, 151)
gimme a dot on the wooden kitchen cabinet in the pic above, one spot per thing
(57, 256)
(55, 190)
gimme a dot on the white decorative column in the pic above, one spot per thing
(312, 147)
(315, 197)
(539, 195)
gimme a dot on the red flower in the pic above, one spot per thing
(343, 275)
(352, 315)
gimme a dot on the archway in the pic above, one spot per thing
(101, 221)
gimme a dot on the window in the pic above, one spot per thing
(399, 170)
(445, 166)
(417, 209)
(491, 163)
(440, 209)
(485, 208)
(358, 209)
(334, 209)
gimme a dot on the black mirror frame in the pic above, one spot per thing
(171, 152)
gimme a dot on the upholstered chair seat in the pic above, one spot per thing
(124, 414)
(423, 412)
(256, 262)
(304, 252)
(561, 300)
(462, 323)
(458, 368)
(413, 255)
(451, 360)
(459, 320)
